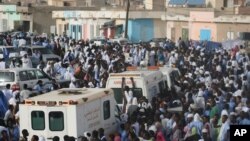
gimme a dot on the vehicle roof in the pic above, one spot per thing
(75, 94)
(17, 69)
(168, 69)
(35, 46)
(6, 46)
(142, 73)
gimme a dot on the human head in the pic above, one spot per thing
(8, 86)
(25, 132)
(84, 139)
(35, 138)
(56, 138)
(25, 86)
(101, 131)
(95, 134)
(224, 118)
(40, 82)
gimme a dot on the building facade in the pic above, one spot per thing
(142, 25)
(217, 21)
(14, 17)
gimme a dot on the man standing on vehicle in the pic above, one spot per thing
(7, 92)
(26, 62)
(25, 93)
(2, 63)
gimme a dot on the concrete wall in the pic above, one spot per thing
(217, 4)
(224, 28)
(159, 29)
(174, 29)
(42, 19)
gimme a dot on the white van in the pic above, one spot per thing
(69, 112)
(148, 83)
(18, 76)
(121, 41)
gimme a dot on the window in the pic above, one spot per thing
(37, 120)
(137, 92)
(23, 76)
(106, 109)
(40, 75)
(7, 76)
(230, 35)
(56, 121)
(162, 87)
(31, 75)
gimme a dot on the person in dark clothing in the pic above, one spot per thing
(95, 136)
(101, 134)
(35, 138)
(25, 134)
(56, 138)
(66, 138)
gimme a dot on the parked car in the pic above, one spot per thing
(98, 41)
(19, 76)
(121, 41)
(35, 61)
(9, 51)
(47, 54)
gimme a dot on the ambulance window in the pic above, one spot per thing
(106, 110)
(137, 92)
(37, 120)
(56, 121)
(118, 95)
(161, 87)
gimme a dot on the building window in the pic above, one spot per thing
(56, 121)
(106, 109)
(37, 120)
(230, 35)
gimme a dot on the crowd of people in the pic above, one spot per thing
(215, 89)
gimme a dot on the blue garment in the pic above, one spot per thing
(3, 104)
(16, 134)
(198, 125)
(245, 121)
(124, 136)
(231, 106)
(38, 88)
(15, 43)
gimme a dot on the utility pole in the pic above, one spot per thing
(126, 24)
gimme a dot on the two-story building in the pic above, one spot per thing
(142, 25)
(13, 17)
(206, 20)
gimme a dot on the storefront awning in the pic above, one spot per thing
(177, 2)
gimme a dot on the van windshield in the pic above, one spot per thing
(137, 92)
(7, 76)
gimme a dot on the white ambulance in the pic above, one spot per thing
(172, 75)
(148, 82)
(69, 112)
